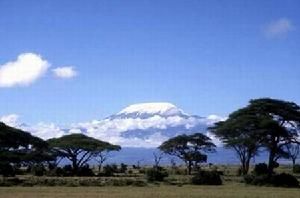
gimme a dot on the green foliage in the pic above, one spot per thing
(284, 180)
(109, 170)
(79, 148)
(17, 146)
(156, 174)
(296, 168)
(123, 168)
(278, 180)
(265, 122)
(189, 148)
(261, 169)
(72, 182)
(38, 170)
(207, 178)
(7, 170)
(85, 171)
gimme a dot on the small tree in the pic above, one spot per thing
(157, 158)
(293, 151)
(102, 153)
(77, 148)
(189, 148)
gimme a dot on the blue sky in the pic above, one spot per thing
(207, 57)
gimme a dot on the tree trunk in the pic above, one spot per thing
(294, 162)
(189, 167)
(246, 168)
(271, 162)
(75, 166)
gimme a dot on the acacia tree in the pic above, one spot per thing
(281, 126)
(189, 148)
(102, 153)
(17, 146)
(78, 148)
(269, 123)
(239, 132)
(293, 151)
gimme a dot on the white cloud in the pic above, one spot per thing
(112, 130)
(11, 119)
(45, 130)
(64, 72)
(25, 70)
(278, 28)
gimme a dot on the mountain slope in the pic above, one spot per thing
(146, 125)
(140, 125)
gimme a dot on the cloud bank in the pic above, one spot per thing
(278, 28)
(112, 130)
(24, 71)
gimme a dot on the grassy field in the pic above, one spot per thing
(229, 190)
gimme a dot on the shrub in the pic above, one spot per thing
(284, 180)
(156, 174)
(67, 171)
(207, 178)
(260, 169)
(296, 168)
(139, 183)
(7, 170)
(109, 170)
(123, 168)
(38, 170)
(279, 180)
(85, 171)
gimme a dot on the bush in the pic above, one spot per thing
(38, 170)
(156, 174)
(284, 180)
(261, 169)
(10, 182)
(296, 168)
(207, 178)
(67, 171)
(123, 168)
(278, 180)
(109, 170)
(7, 170)
(258, 180)
(85, 171)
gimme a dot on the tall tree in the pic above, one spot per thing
(239, 132)
(281, 126)
(269, 123)
(78, 148)
(189, 148)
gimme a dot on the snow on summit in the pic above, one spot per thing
(161, 108)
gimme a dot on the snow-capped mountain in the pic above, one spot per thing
(139, 125)
(146, 125)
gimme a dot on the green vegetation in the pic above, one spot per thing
(80, 149)
(189, 148)
(268, 124)
(225, 191)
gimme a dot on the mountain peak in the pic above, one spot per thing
(161, 108)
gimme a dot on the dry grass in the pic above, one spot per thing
(225, 191)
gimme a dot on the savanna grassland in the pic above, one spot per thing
(174, 186)
(227, 190)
